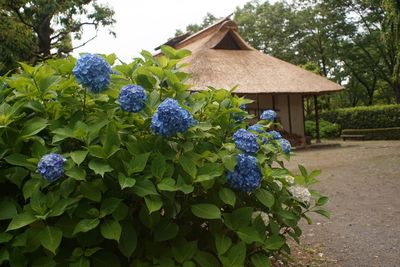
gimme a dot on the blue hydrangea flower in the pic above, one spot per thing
(246, 176)
(239, 117)
(268, 115)
(242, 106)
(171, 118)
(246, 141)
(132, 98)
(93, 72)
(257, 128)
(274, 134)
(285, 145)
(51, 167)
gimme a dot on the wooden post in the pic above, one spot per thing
(290, 114)
(317, 118)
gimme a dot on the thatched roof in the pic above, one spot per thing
(222, 59)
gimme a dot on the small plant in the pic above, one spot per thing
(326, 129)
(136, 171)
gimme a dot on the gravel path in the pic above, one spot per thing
(362, 180)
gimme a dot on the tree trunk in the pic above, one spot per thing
(44, 32)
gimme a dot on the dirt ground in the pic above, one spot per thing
(362, 180)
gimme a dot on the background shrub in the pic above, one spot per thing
(130, 196)
(327, 129)
(368, 117)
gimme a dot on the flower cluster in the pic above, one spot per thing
(300, 193)
(93, 72)
(170, 118)
(268, 115)
(274, 134)
(51, 167)
(132, 98)
(246, 141)
(285, 145)
(246, 176)
(256, 128)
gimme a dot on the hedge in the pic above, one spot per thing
(375, 134)
(365, 117)
(326, 129)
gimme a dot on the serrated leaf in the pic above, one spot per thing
(260, 260)
(139, 163)
(7, 209)
(86, 225)
(230, 162)
(128, 240)
(144, 188)
(158, 166)
(165, 231)
(32, 127)
(227, 196)
(206, 211)
(78, 156)
(274, 242)
(322, 201)
(153, 202)
(23, 219)
(99, 167)
(188, 164)
(76, 173)
(125, 182)
(222, 243)
(50, 238)
(111, 229)
(265, 197)
(323, 212)
(109, 205)
(249, 235)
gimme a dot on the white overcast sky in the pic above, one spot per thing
(146, 24)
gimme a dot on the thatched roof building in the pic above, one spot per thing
(222, 59)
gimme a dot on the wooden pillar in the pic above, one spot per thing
(258, 105)
(317, 118)
(273, 102)
(290, 114)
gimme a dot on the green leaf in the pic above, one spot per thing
(5, 237)
(235, 256)
(105, 258)
(78, 156)
(21, 220)
(303, 170)
(61, 206)
(50, 238)
(109, 205)
(260, 260)
(206, 211)
(238, 218)
(227, 196)
(125, 182)
(153, 202)
(139, 163)
(166, 230)
(86, 225)
(222, 243)
(76, 173)
(158, 166)
(7, 209)
(230, 162)
(323, 212)
(111, 229)
(31, 186)
(188, 164)
(183, 250)
(265, 197)
(274, 242)
(90, 192)
(32, 127)
(322, 201)
(99, 167)
(144, 188)
(249, 235)
(81, 262)
(20, 160)
(128, 240)
(287, 215)
(209, 171)
(205, 259)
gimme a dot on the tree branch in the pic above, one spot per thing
(91, 39)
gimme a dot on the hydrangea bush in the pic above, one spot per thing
(137, 171)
